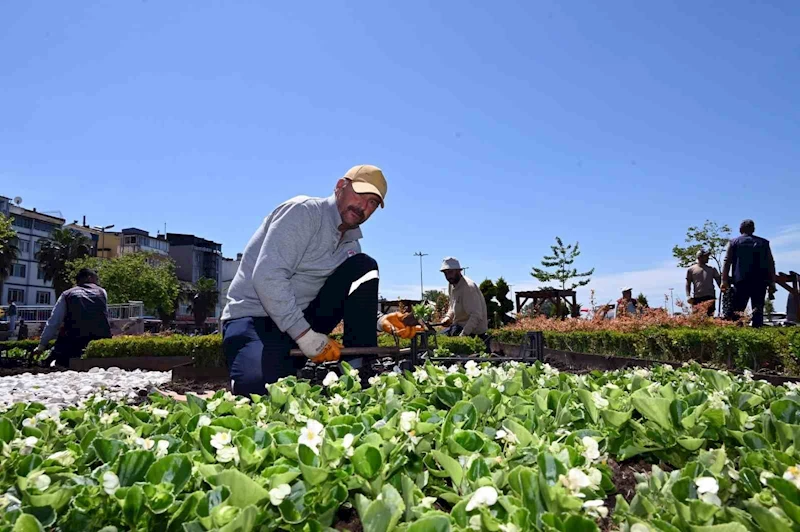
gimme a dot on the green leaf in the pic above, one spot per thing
(367, 461)
(588, 403)
(727, 527)
(523, 435)
(244, 522)
(383, 515)
(767, 521)
(653, 408)
(577, 523)
(175, 469)
(788, 497)
(133, 466)
(7, 430)
(451, 466)
(185, 512)
(433, 523)
(244, 490)
(551, 468)
(229, 422)
(107, 450)
(716, 379)
(196, 404)
(133, 505)
(614, 418)
(448, 395)
(27, 523)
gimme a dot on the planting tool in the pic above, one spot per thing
(354, 352)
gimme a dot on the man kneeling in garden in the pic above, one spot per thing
(301, 274)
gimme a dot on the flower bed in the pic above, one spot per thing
(512, 448)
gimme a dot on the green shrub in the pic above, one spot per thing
(22, 344)
(732, 346)
(207, 350)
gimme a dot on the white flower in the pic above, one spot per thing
(354, 373)
(550, 371)
(220, 440)
(146, 443)
(226, 454)
(110, 482)
(29, 422)
(337, 401)
(311, 435)
(420, 375)
(575, 480)
(242, 401)
(653, 388)
(642, 372)
(596, 508)
(347, 443)
(128, 431)
(211, 406)
(639, 527)
(610, 386)
(204, 421)
(499, 387)
(29, 443)
(277, 495)
(374, 381)
(707, 489)
(330, 379)
(408, 420)
(162, 447)
(472, 369)
(507, 436)
(458, 383)
(294, 410)
(108, 418)
(40, 481)
(599, 400)
(453, 368)
(764, 476)
(427, 502)
(792, 474)
(510, 527)
(65, 458)
(592, 450)
(484, 496)
(160, 413)
(748, 375)
(228, 396)
(378, 425)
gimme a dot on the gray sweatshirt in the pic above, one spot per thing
(288, 260)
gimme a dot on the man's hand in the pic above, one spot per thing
(772, 290)
(318, 347)
(397, 323)
(724, 286)
(39, 350)
(447, 322)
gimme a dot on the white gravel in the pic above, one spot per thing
(71, 388)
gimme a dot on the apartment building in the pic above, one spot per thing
(194, 258)
(26, 284)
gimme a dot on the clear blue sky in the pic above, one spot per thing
(498, 125)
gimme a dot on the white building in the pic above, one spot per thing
(26, 285)
(229, 269)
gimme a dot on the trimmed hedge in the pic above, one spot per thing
(775, 348)
(29, 345)
(207, 350)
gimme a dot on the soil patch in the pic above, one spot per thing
(347, 519)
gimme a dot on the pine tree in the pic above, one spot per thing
(562, 259)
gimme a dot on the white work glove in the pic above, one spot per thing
(318, 347)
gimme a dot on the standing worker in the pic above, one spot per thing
(302, 273)
(83, 311)
(750, 258)
(467, 315)
(12, 317)
(701, 276)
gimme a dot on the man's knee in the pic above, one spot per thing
(361, 269)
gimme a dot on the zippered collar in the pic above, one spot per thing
(336, 219)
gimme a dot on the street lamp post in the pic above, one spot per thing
(421, 290)
(103, 237)
(672, 301)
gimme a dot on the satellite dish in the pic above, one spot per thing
(17, 200)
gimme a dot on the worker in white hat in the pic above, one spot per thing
(626, 305)
(301, 274)
(467, 315)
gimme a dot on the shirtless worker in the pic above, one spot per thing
(301, 274)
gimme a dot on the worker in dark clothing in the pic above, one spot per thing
(22, 334)
(83, 312)
(750, 258)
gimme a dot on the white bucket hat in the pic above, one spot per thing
(450, 263)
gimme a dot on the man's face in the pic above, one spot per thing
(702, 260)
(354, 208)
(627, 294)
(452, 276)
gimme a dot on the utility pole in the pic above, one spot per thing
(421, 290)
(672, 302)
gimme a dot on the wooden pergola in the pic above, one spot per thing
(791, 283)
(556, 297)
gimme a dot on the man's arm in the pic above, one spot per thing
(771, 270)
(726, 265)
(689, 283)
(473, 307)
(284, 244)
(717, 277)
(50, 331)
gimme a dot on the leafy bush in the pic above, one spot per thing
(207, 350)
(733, 346)
(22, 344)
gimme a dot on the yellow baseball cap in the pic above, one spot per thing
(367, 179)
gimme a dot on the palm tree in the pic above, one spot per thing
(9, 252)
(203, 297)
(63, 246)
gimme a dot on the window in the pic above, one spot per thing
(37, 246)
(16, 295)
(130, 240)
(23, 245)
(42, 298)
(44, 226)
(21, 221)
(40, 273)
(19, 270)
